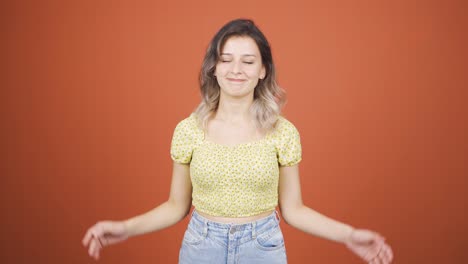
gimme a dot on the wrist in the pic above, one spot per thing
(127, 228)
(347, 234)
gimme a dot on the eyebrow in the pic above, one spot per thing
(244, 55)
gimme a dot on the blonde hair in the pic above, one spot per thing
(269, 98)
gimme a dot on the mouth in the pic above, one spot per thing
(236, 80)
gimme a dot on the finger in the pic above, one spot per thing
(97, 234)
(382, 257)
(374, 261)
(102, 241)
(97, 253)
(93, 247)
(87, 238)
(387, 253)
(368, 256)
(384, 254)
(98, 248)
(374, 251)
(390, 253)
(378, 260)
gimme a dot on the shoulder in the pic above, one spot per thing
(287, 142)
(188, 123)
(189, 126)
(284, 126)
(185, 138)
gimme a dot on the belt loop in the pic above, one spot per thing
(254, 231)
(205, 228)
(278, 216)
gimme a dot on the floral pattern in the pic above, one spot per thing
(240, 180)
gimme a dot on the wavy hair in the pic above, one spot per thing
(269, 98)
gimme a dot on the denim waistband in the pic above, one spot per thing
(207, 241)
(251, 227)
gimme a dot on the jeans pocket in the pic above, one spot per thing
(270, 240)
(193, 235)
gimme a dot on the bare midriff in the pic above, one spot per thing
(235, 220)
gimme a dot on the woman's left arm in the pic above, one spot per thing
(367, 244)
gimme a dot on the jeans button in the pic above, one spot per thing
(233, 230)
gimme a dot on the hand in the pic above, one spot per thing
(102, 234)
(370, 246)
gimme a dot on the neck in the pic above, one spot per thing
(234, 109)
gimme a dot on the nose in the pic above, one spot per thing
(236, 67)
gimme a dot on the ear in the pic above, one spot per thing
(262, 72)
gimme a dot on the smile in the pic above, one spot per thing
(236, 80)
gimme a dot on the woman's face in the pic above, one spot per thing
(239, 67)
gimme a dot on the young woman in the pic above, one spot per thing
(235, 159)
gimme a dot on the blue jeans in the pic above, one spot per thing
(256, 242)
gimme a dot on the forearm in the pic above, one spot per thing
(165, 215)
(314, 223)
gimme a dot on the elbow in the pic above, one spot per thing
(286, 218)
(180, 209)
(186, 211)
(290, 213)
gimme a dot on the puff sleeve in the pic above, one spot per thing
(288, 147)
(183, 141)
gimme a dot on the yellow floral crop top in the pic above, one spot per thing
(240, 180)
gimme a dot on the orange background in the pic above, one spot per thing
(92, 90)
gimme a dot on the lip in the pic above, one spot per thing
(235, 80)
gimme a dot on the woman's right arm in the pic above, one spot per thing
(168, 213)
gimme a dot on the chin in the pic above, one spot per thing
(239, 93)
